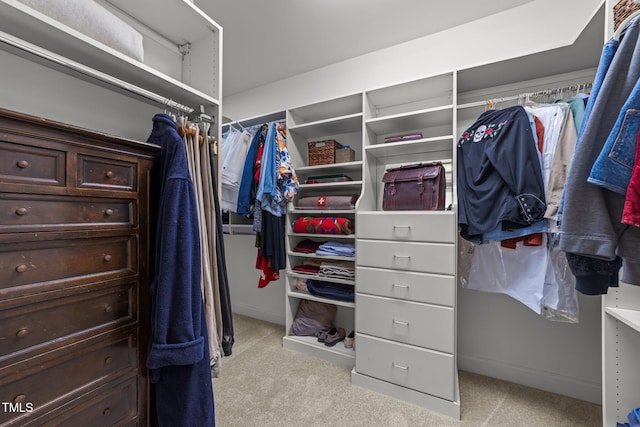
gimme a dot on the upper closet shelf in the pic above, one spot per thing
(332, 126)
(171, 34)
(429, 117)
(626, 316)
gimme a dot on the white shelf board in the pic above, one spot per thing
(332, 126)
(325, 236)
(320, 278)
(54, 39)
(347, 185)
(338, 354)
(440, 143)
(329, 109)
(630, 318)
(346, 167)
(308, 296)
(399, 123)
(313, 255)
(321, 212)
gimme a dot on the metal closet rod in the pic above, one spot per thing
(68, 63)
(524, 96)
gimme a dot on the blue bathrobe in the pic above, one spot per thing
(178, 349)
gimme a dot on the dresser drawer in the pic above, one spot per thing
(48, 322)
(439, 226)
(23, 164)
(32, 263)
(419, 287)
(414, 368)
(108, 174)
(77, 369)
(429, 326)
(421, 257)
(111, 407)
(45, 213)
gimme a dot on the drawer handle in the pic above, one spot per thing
(402, 256)
(106, 411)
(21, 211)
(395, 365)
(23, 164)
(109, 174)
(21, 268)
(19, 398)
(22, 333)
(107, 258)
(394, 285)
(108, 309)
(408, 227)
(108, 212)
(107, 360)
(398, 322)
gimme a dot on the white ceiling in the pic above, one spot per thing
(268, 40)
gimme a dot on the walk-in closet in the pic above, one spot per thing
(279, 214)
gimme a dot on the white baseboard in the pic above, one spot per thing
(543, 380)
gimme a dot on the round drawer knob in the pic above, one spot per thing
(108, 309)
(107, 258)
(23, 164)
(109, 174)
(22, 333)
(19, 398)
(21, 211)
(107, 360)
(108, 212)
(106, 411)
(21, 268)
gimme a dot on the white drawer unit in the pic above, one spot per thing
(405, 319)
(423, 257)
(436, 226)
(420, 287)
(424, 325)
(415, 368)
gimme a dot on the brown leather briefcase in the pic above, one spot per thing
(414, 187)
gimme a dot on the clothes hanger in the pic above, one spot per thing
(624, 24)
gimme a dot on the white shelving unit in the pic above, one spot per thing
(620, 349)
(339, 119)
(406, 260)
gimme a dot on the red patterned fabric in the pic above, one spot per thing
(631, 213)
(323, 225)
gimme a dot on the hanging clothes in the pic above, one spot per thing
(595, 239)
(178, 357)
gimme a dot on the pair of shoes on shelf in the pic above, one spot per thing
(334, 336)
(350, 340)
(322, 335)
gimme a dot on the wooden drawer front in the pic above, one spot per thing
(422, 257)
(33, 213)
(420, 287)
(413, 323)
(416, 227)
(41, 384)
(23, 164)
(37, 324)
(411, 367)
(40, 262)
(109, 408)
(109, 174)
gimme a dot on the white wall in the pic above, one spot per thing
(496, 335)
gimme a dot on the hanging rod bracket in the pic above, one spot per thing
(185, 48)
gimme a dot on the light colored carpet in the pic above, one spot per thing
(263, 384)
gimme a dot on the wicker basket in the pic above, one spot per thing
(322, 152)
(622, 10)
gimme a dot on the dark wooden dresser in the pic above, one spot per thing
(74, 260)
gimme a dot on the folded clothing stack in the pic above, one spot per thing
(323, 225)
(337, 269)
(346, 249)
(327, 202)
(404, 137)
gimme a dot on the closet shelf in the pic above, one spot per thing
(326, 236)
(327, 257)
(347, 167)
(46, 38)
(440, 144)
(332, 126)
(308, 296)
(321, 278)
(338, 354)
(347, 185)
(401, 123)
(630, 318)
(321, 212)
